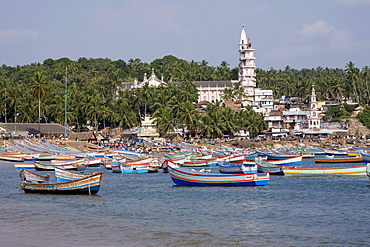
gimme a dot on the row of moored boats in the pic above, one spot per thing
(194, 165)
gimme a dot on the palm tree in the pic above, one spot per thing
(227, 94)
(229, 119)
(365, 73)
(124, 106)
(353, 77)
(5, 86)
(38, 89)
(164, 119)
(239, 92)
(188, 92)
(188, 115)
(211, 124)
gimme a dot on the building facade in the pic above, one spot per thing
(212, 91)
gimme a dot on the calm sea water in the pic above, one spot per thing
(148, 210)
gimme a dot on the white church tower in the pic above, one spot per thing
(313, 120)
(247, 75)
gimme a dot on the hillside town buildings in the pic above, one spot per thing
(302, 119)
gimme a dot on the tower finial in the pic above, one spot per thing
(243, 37)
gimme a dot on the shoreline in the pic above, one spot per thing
(85, 146)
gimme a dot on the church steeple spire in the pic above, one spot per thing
(243, 37)
(246, 66)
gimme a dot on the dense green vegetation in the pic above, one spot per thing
(36, 92)
(364, 117)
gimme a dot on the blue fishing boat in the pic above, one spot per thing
(120, 167)
(187, 177)
(365, 157)
(277, 155)
(236, 168)
(63, 175)
(265, 166)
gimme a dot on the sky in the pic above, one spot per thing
(295, 33)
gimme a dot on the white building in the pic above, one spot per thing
(212, 91)
(247, 74)
(313, 119)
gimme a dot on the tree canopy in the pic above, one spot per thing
(36, 92)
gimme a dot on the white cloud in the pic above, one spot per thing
(325, 35)
(318, 28)
(340, 39)
(16, 35)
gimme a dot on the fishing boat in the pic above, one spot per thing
(179, 160)
(265, 166)
(120, 167)
(140, 161)
(88, 185)
(167, 163)
(294, 161)
(153, 166)
(47, 166)
(334, 159)
(202, 157)
(200, 162)
(368, 171)
(326, 171)
(95, 162)
(47, 157)
(24, 166)
(231, 157)
(140, 168)
(277, 155)
(63, 175)
(12, 158)
(334, 151)
(365, 157)
(29, 176)
(236, 168)
(187, 177)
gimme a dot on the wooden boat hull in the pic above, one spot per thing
(120, 168)
(339, 160)
(199, 163)
(141, 170)
(95, 162)
(24, 166)
(277, 156)
(264, 166)
(11, 158)
(294, 161)
(236, 168)
(327, 171)
(231, 158)
(41, 166)
(89, 185)
(365, 157)
(64, 175)
(186, 177)
(29, 176)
